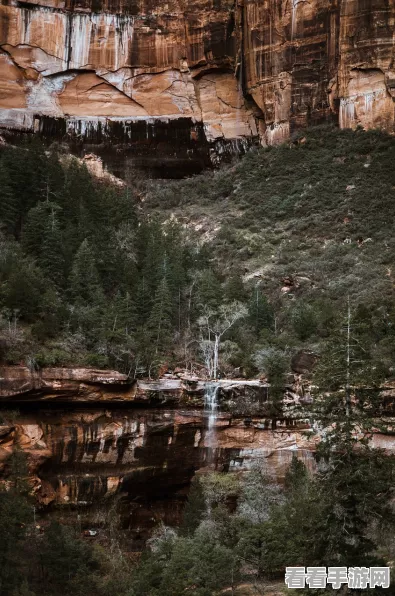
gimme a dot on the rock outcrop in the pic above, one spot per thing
(177, 85)
(20, 384)
(93, 435)
(145, 458)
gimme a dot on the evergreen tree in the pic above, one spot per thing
(80, 207)
(8, 201)
(160, 320)
(84, 279)
(234, 288)
(69, 563)
(24, 289)
(26, 170)
(33, 232)
(15, 514)
(52, 258)
(209, 292)
(194, 509)
(275, 364)
(356, 481)
(175, 265)
(88, 300)
(144, 301)
(260, 313)
(304, 321)
(42, 237)
(152, 267)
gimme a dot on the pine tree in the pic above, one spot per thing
(209, 292)
(42, 237)
(260, 313)
(152, 266)
(355, 480)
(8, 201)
(24, 289)
(119, 330)
(234, 288)
(33, 231)
(304, 321)
(194, 509)
(144, 300)
(52, 258)
(26, 169)
(84, 279)
(160, 320)
(176, 276)
(79, 206)
(68, 561)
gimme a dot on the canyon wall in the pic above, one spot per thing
(94, 439)
(141, 459)
(186, 82)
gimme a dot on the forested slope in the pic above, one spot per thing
(100, 275)
(294, 246)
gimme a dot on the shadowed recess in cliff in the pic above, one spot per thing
(166, 148)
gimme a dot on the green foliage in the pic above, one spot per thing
(209, 290)
(8, 202)
(159, 322)
(304, 321)
(87, 277)
(259, 494)
(15, 514)
(197, 565)
(309, 217)
(194, 509)
(217, 488)
(23, 290)
(261, 314)
(234, 288)
(68, 562)
(83, 257)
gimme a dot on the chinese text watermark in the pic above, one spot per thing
(354, 577)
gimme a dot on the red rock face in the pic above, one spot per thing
(238, 71)
(145, 458)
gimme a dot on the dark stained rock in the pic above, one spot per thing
(303, 362)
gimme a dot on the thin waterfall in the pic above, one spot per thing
(294, 18)
(240, 98)
(211, 408)
(240, 80)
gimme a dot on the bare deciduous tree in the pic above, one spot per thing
(213, 326)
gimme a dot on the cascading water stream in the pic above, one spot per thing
(211, 408)
(294, 18)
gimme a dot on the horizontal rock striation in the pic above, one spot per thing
(185, 84)
(20, 384)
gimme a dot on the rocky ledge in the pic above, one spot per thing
(141, 442)
(19, 384)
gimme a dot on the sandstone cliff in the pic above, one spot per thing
(92, 435)
(145, 458)
(191, 80)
